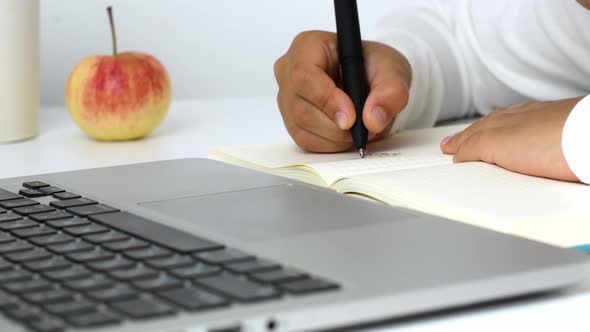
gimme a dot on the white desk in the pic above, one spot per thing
(192, 128)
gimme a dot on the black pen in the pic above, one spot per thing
(352, 63)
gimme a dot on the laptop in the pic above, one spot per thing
(197, 245)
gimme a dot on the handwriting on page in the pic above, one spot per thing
(384, 161)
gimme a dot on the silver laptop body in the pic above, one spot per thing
(380, 262)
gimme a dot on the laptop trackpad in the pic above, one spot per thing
(276, 212)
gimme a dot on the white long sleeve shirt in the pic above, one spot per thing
(473, 56)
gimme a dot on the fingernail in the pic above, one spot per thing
(341, 120)
(380, 117)
(448, 139)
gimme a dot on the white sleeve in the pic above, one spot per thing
(575, 138)
(471, 56)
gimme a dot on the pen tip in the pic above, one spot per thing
(362, 153)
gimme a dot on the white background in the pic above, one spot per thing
(211, 48)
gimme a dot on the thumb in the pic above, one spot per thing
(389, 75)
(385, 101)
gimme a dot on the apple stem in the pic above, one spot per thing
(113, 34)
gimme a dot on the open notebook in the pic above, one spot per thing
(408, 170)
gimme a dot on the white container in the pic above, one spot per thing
(19, 69)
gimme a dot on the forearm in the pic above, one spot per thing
(464, 60)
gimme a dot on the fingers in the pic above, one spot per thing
(385, 101)
(310, 128)
(471, 149)
(451, 144)
(315, 143)
(480, 146)
(316, 112)
(312, 84)
(389, 75)
(308, 116)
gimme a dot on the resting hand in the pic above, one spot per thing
(525, 139)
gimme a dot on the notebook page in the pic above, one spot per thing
(488, 196)
(408, 149)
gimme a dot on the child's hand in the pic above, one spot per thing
(316, 112)
(525, 138)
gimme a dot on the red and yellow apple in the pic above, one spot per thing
(120, 97)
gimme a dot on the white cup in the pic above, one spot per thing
(19, 69)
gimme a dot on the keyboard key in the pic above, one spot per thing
(306, 286)
(143, 308)
(162, 282)
(110, 236)
(18, 203)
(29, 255)
(252, 266)
(126, 245)
(151, 252)
(8, 302)
(193, 298)
(30, 286)
(18, 224)
(91, 283)
(86, 229)
(50, 296)
(241, 289)
(15, 275)
(94, 319)
(196, 270)
(155, 232)
(5, 265)
(6, 195)
(53, 263)
(171, 262)
(96, 254)
(112, 264)
(4, 217)
(47, 325)
(24, 313)
(5, 238)
(278, 276)
(75, 307)
(15, 246)
(26, 210)
(76, 246)
(66, 195)
(34, 231)
(224, 256)
(35, 184)
(115, 293)
(69, 222)
(31, 193)
(54, 215)
(88, 210)
(134, 273)
(71, 273)
(50, 190)
(51, 239)
(68, 203)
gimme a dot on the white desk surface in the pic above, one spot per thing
(194, 127)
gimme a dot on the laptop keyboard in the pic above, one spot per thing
(77, 263)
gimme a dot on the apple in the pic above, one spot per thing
(120, 97)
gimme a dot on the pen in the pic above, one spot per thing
(352, 64)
